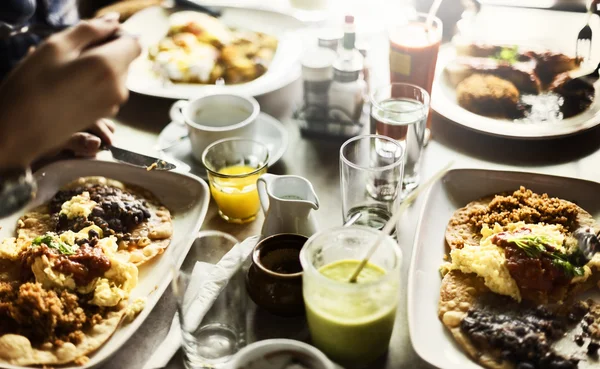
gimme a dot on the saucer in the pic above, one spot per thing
(269, 131)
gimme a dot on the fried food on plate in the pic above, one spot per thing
(68, 274)
(521, 74)
(510, 289)
(201, 49)
(501, 334)
(141, 226)
(522, 205)
(489, 95)
(531, 71)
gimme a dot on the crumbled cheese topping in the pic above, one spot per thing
(78, 206)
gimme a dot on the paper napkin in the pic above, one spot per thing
(207, 281)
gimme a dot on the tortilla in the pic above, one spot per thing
(148, 239)
(458, 294)
(459, 232)
(17, 350)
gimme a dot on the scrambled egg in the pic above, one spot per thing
(193, 65)
(78, 206)
(489, 261)
(109, 290)
(134, 309)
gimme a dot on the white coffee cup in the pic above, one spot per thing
(213, 117)
(263, 355)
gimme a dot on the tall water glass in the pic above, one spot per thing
(352, 323)
(399, 111)
(370, 178)
(211, 334)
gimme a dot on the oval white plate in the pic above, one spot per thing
(430, 339)
(269, 131)
(444, 103)
(151, 25)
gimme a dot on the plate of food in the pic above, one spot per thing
(85, 263)
(514, 91)
(187, 53)
(496, 278)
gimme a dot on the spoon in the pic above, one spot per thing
(587, 241)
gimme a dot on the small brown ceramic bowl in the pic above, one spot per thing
(274, 280)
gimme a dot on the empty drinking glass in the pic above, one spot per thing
(371, 168)
(399, 111)
(212, 332)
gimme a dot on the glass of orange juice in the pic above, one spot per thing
(233, 166)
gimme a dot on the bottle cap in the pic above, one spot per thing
(330, 38)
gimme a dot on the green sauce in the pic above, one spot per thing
(351, 328)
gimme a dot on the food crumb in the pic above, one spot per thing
(152, 166)
(82, 360)
(446, 257)
(134, 309)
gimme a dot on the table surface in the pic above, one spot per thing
(142, 118)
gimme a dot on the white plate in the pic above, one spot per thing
(186, 196)
(444, 102)
(460, 186)
(269, 132)
(152, 25)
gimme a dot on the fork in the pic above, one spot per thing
(585, 39)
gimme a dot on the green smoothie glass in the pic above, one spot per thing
(351, 323)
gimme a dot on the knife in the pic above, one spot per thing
(138, 160)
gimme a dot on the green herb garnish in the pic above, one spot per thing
(508, 54)
(49, 241)
(535, 246)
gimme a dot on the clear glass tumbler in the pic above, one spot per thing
(371, 170)
(352, 323)
(400, 111)
(211, 333)
(233, 166)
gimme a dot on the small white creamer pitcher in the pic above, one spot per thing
(287, 202)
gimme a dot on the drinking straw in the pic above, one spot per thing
(389, 226)
(435, 6)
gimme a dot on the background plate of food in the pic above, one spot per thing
(514, 91)
(85, 263)
(495, 280)
(187, 53)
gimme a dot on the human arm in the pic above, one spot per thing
(66, 85)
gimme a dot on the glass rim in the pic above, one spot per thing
(346, 161)
(376, 103)
(308, 266)
(231, 139)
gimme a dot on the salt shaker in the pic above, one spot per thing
(317, 74)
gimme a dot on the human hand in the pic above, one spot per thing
(66, 85)
(87, 144)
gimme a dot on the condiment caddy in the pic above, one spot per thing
(335, 86)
